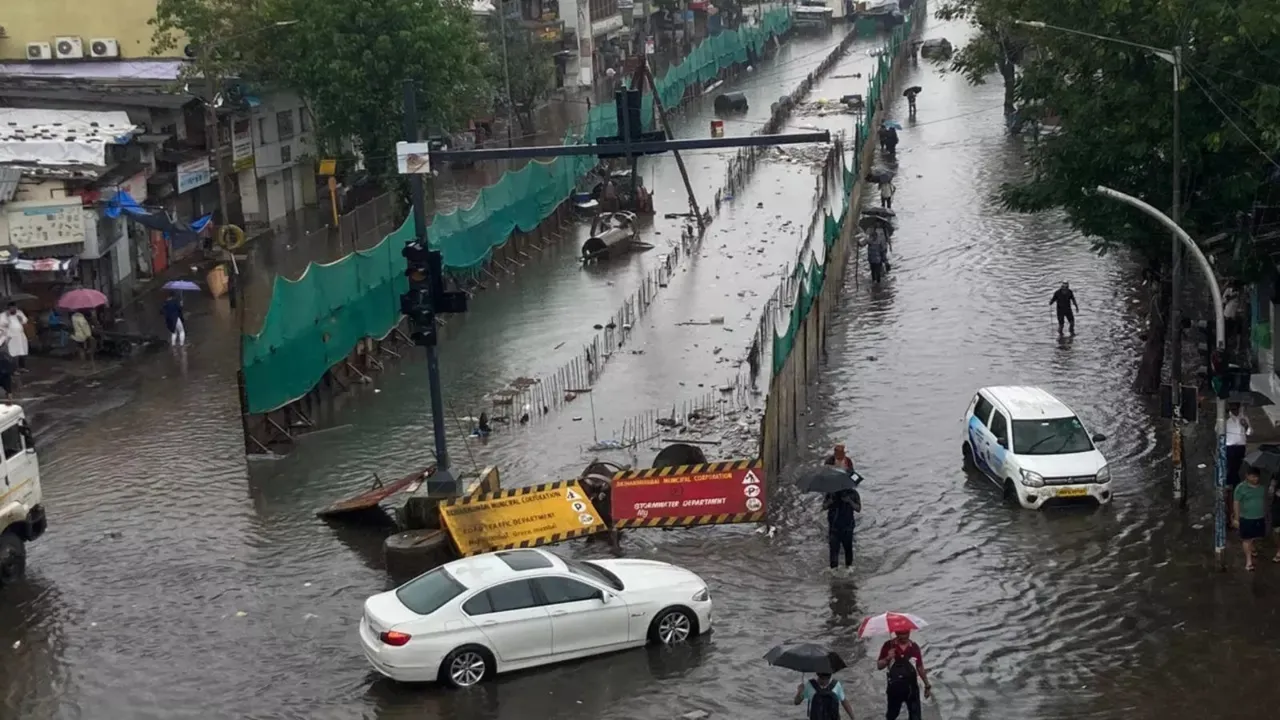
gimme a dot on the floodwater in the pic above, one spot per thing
(174, 583)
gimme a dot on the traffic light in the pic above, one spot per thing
(630, 125)
(426, 297)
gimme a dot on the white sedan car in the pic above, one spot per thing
(473, 618)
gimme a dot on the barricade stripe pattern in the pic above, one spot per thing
(547, 540)
(513, 492)
(679, 470)
(725, 519)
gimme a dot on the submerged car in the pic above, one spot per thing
(1034, 447)
(473, 618)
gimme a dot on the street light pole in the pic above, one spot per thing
(1220, 333)
(1174, 58)
(501, 7)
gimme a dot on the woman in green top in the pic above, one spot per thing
(1250, 512)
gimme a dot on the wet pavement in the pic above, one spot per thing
(176, 582)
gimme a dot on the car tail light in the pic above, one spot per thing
(394, 639)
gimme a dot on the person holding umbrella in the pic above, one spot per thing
(841, 503)
(173, 321)
(824, 694)
(902, 658)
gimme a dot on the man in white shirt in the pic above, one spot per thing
(1237, 432)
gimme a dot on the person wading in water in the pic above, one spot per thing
(902, 658)
(1065, 300)
(825, 696)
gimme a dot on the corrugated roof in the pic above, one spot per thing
(61, 137)
(106, 96)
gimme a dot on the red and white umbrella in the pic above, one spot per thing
(890, 624)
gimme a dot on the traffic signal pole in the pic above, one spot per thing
(1220, 336)
(436, 281)
(666, 127)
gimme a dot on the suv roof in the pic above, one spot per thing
(1025, 402)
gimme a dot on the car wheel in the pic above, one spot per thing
(1010, 493)
(673, 626)
(467, 666)
(966, 450)
(13, 557)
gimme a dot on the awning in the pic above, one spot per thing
(61, 138)
(121, 203)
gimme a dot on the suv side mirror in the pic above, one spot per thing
(1099, 437)
(27, 437)
(1003, 442)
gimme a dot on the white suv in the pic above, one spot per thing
(1034, 447)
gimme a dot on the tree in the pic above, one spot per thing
(1113, 106)
(529, 63)
(346, 59)
(999, 45)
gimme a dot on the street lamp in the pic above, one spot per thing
(1174, 58)
(1220, 332)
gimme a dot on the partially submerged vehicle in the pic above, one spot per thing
(814, 13)
(936, 49)
(22, 516)
(612, 233)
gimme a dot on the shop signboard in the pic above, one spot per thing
(193, 174)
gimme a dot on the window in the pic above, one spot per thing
(284, 124)
(478, 605)
(1000, 427)
(558, 590)
(595, 572)
(429, 592)
(516, 595)
(262, 131)
(304, 120)
(286, 154)
(982, 410)
(12, 441)
(1058, 436)
(524, 560)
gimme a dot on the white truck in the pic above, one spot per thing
(22, 517)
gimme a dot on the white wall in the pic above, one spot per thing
(268, 156)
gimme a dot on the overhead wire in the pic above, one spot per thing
(1195, 77)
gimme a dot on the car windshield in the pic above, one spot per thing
(1058, 436)
(593, 571)
(428, 592)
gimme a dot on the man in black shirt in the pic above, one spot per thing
(1065, 300)
(840, 508)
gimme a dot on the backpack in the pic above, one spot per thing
(902, 677)
(824, 705)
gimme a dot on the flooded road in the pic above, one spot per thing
(176, 583)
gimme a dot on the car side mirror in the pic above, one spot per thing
(1002, 442)
(605, 597)
(1099, 437)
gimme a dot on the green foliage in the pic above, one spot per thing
(530, 63)
(1114, 108)
(347, 59)
(999, 45)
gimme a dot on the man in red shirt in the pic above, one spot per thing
(898, 656)
(839, 459)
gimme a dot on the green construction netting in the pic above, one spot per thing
(315, 321)
(809, 275)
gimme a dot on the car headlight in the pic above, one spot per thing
(702, 595)
(1032, 479)
(1104, 475)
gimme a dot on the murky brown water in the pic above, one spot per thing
(171, 586)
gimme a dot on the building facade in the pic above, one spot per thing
(115, 29)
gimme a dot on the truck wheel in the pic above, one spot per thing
(13, 557)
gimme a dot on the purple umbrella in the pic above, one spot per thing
(182, 286)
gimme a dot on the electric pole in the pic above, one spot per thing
(1175, 302)
(426, 297)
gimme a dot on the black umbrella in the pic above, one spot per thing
(913, 90)
(879, 211)
(806, 658)
(1263, 459)
(827, 479)
(869, 222)
(879, 175)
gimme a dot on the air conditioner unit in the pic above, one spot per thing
(104, 48)
(68, 47)
(39, 51)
